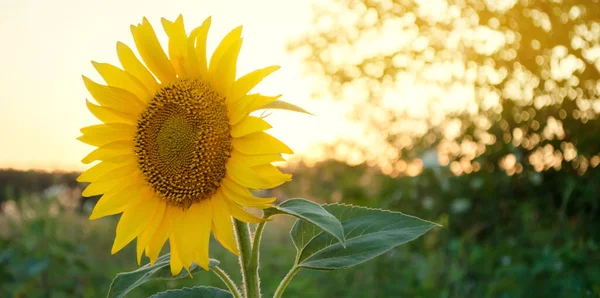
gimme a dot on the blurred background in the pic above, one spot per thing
(480, 115)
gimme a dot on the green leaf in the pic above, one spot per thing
(283, 105)
(195, 292)
(127, 281)
(313, 213)
(368, 233)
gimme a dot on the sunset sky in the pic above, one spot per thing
(48, 45)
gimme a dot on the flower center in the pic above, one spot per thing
(183, 141)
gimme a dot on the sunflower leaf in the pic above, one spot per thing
(284, 105)
(124, 282)
(195, 292)
(368, 233)
(312, 213)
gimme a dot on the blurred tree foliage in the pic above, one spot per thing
(488, 113)
(492, 72)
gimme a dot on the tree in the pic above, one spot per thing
(497, 102)
(524, 72)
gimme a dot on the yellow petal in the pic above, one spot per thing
(102, 134)
(232, 37)
(114, 98)
(244, 84)
(109, 129)
(197, 48)
(110, 156)
(241, 214)
(108, 115)
(117, 199)
(221, 223)
(116, 77)
(126, 169)
(240, 109)
(175, 260)
(152, 53)
(198, 34)
(106, 171)
(95, 171)
(133, 66)
(262, 101)
(272, 174)
(162, 233)
(177, 45)
(185, 245)
(224, 74)
(249, 125)
(146, 235)
(244, 175)
(134, 220)
(256, 160)
(260, 143)
(98, 188)
(267, 170)
(200, 221)
(96, 141)
(242, 196)
(113, 152)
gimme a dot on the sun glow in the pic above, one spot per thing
(56, 40)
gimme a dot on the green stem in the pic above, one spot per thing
(243, 241)
(227, 281)
(286, 280)
(252, 268)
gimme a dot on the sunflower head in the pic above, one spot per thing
(183, 141)
(178, 150)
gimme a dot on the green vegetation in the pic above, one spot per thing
(503, 236)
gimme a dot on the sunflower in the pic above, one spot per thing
(177, 150)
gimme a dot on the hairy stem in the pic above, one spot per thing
(286, 280)
(227, 281)
(252, 268)
(242, 233)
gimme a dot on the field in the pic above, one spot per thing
(494, 246)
